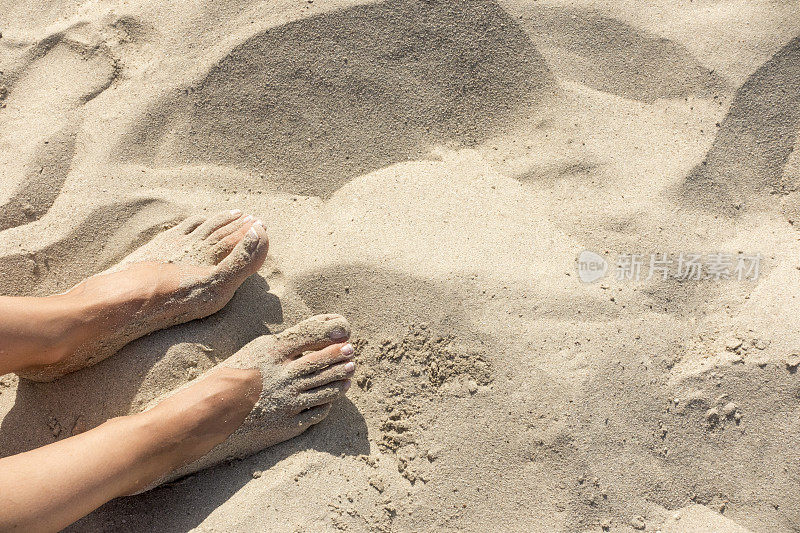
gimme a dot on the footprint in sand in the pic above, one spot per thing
(44, 177)
(54, 76)
(44, 86)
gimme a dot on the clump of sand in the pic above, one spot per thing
(431, 170)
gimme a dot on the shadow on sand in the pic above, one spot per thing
(755, 139)
(183, 505)
(315, 102)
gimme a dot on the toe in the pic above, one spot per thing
(231, 227)
(312, 416)
(186, 226)
(214, 223)
(189, 224)
(338, 372)
(247, 257)
(221, 249)
(314, 333)
(313, 362)
(322, 395)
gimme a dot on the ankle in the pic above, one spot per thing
(39, 331)
(98, 306)
(191, 422)
(73, 319)
(67, 323)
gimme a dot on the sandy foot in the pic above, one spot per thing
(303, 370)
(188, 272)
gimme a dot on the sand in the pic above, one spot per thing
(431, 170)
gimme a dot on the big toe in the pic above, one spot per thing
(247, 256)
(214, 223)
(223, 241)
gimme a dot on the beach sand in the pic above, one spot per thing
(431, 170)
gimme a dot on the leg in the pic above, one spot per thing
(49, 488)
(37, 331)
(185, 273)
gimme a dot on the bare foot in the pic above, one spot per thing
(271, 390)
(185, 273)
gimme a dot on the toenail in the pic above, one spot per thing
(258, 223)
(252, 233)
(248, 218)
(349, 367)
(236, 212)
(347, 349)
(346, 386)
(337, 334)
